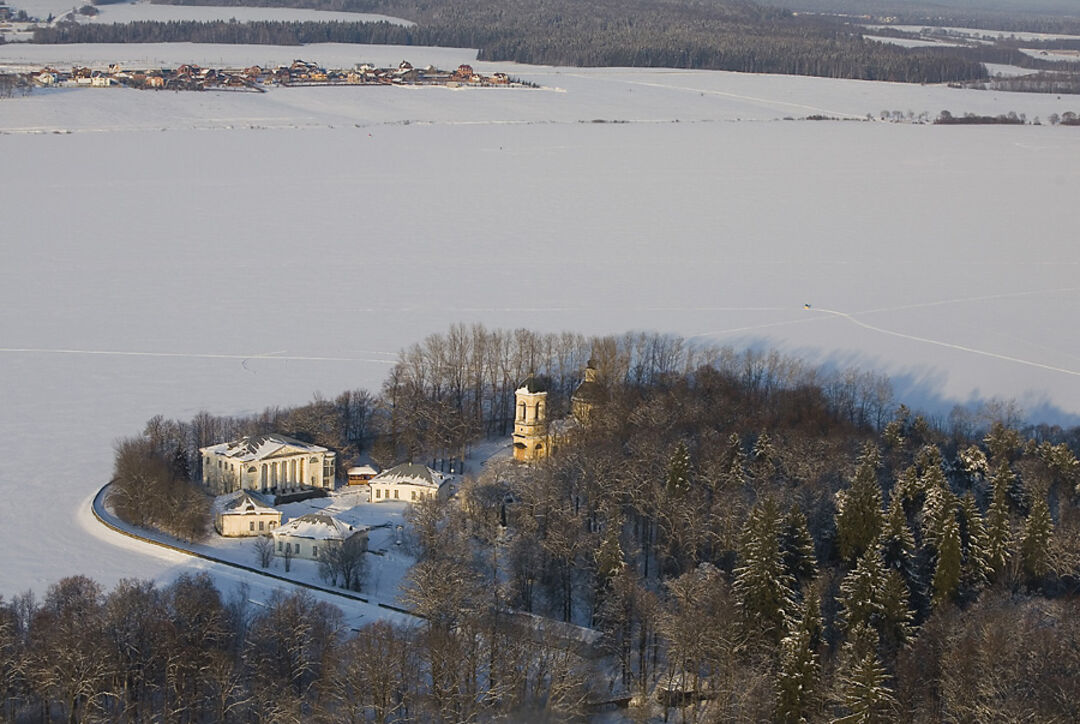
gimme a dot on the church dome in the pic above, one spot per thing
(534, 384)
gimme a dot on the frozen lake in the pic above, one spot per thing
(166, 253)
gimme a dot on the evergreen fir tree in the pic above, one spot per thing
(797, 678)
(1017, 495)
(609, 556)
(734, 472)
(1002, 442)
(763, 448)
(763, 587)
(934, 487)
(946, 541)
(679, 471)
(999, 535)
(798, 546)
(179, 463)
(762, 456)
(973, 545)
(896, 614)
(860, 592)
(1035, 542)
(863, 691)
(908, 489)
(859, 515)
(897, 541)
(973, 462)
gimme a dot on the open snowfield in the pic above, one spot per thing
(167, 252)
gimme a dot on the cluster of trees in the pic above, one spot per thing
(12, 83)
(1055, 83)
(151, 487)
(185, 652)
(738, 36)
(1009, 119)
(752, 554)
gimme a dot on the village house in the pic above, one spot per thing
(308, 535)
(242, 514)
(410, 482)
(267, 462)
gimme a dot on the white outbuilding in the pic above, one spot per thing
(267, 462)
(410, 482)
(242, 514)
(306, 536)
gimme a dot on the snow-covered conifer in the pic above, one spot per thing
(763, 587)
(859, 516)
(798, 546)
(1035, 542)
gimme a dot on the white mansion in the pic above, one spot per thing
(266, 462)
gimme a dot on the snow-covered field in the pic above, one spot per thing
(167, 252)
(976, 33)
(911, 42)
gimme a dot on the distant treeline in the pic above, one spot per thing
(1007, 119)
(675, 33)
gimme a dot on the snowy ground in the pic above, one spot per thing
(166, 252)
(977, 33)
(911, 42)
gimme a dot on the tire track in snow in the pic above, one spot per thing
(947, 345)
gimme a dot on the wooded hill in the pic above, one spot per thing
(756, 540)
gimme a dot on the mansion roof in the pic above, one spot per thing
(318, 526)
(411, 474)
(241, 503)
(259, 447)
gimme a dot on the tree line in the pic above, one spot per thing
(187, 652)
(732, 36)
(453, 389)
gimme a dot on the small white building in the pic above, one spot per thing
(267, 462)
(362, 474)
(410, 482)
(309, 534)
(241, 514)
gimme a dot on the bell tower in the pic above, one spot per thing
(531, 440)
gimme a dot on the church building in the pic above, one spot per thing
(534, 434)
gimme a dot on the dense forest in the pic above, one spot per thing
(755, 539)
(738, 36)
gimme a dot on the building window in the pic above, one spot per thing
(314, 550)
(414, 495)
(279, 545)
(378, 493)
(262, 525)
(395, 495)
(251, 525)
